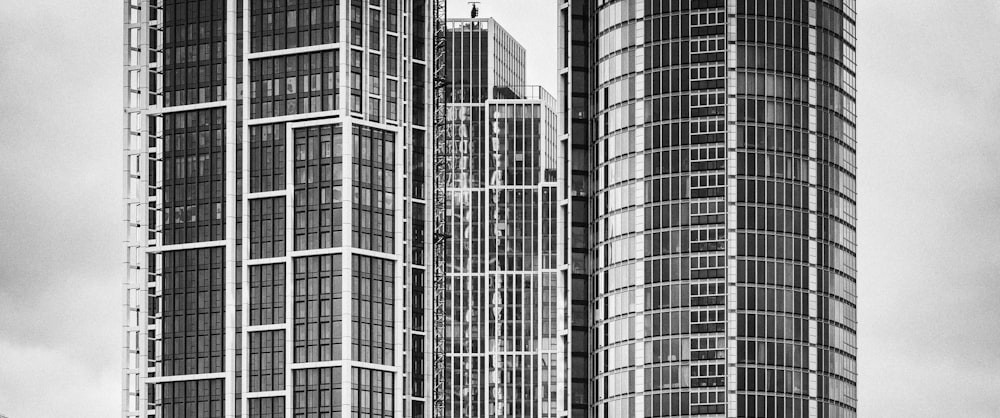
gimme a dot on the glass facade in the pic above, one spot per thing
(718, 138)
(192, 39)
(675, 236)
(191, 311)
(276, 214)
(193, 176)
(507, 344)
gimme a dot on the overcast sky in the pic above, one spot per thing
(929, 179)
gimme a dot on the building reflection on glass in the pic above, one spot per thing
(507, 355)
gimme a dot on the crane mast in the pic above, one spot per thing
(439, 203)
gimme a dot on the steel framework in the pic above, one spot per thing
(439, 207)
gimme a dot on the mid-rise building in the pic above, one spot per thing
(713, 147)
(507, 272)
(276, 208)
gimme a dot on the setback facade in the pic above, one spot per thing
(276, 210)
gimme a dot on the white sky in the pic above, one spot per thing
(929, 209)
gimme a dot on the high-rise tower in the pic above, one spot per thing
(680, 242)
(719, 137)
(507, 271)
(276, 207)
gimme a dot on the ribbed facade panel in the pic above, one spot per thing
(721, 194)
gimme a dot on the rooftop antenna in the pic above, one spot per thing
(475, 8)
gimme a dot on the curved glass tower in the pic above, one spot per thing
(719, 141)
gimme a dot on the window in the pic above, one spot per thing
(267, 361)
(318, 307)
(267, 294)
(319, 183)
(277, 25)
(373, 315)
(374, 189)
(294, 84)
(267, 227)
(192, 311)
(192, 399)
(372, 391)
(317, 392)
(267, 156)
(193, 176)
(193, 46)
(267, 407)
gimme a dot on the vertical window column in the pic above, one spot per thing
(193, 308)
(318, 299)
(317, 392)
(373, 189)
(193, 176)
(372, 392)
(372, 313)
(267, 361)
(193, 51)
(267, 294)
(267, 157)
(318, 187)
(267, 227)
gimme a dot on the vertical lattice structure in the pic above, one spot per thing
(136, 201)
(440, 196)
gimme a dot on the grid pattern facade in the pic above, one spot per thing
(507, 345)
(275, 258)
(193, 176)
(374, 189)
(193, 51)
(281, 24)
(318, 308)
(319, 187)
(267, 294)
(267, 407)
(720, 182)
(294, 84)
(191, 310)
(318, 391)
(267, 361)
(191, 399)
(267, 157)
(484, 61)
